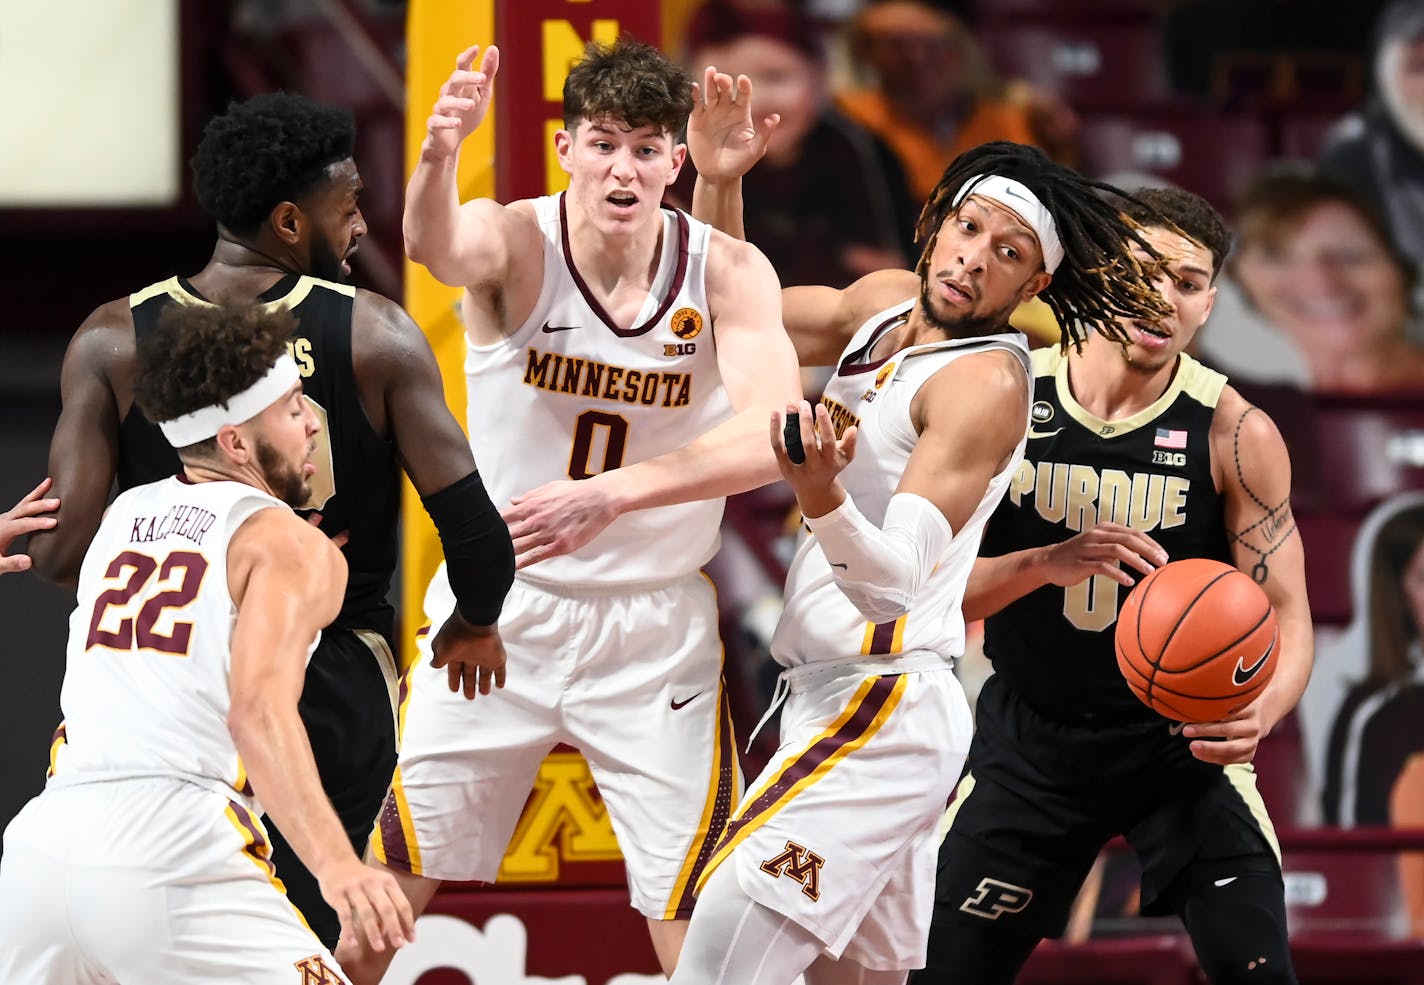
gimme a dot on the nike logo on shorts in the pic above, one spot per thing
(677, 705)
(1176, 727)
(1224, 882)
(558, 328)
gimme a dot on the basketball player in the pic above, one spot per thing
(632, 356)
(1137, 454)
(200, 600)
(25, 517)
(827, 865)
(276, 174)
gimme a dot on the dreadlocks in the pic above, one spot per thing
(1100, 278)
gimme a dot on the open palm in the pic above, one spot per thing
(722, 136)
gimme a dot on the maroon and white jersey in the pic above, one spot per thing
(819, 624)
(146, 684)
(569, 394)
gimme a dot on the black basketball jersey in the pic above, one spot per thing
(1150, 472)
(357, 484)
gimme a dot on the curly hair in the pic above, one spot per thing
(1187, 213)
(630, 82)
(201, 355)
(1100, 278)
(269, 149)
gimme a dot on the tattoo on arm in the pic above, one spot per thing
(1275, 524)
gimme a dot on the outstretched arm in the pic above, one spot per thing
(84, 452)
(398, 375)
(724, 142)
(1255, 471)
(287, 582)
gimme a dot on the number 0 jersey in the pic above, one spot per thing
(569, 394)
(146, 679)
(1151, 472)
(819, 624)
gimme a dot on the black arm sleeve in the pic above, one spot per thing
(479, 556)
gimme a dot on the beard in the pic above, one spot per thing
(326, 262)
(964, 328)
(287, 483)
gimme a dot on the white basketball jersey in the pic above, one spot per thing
(569, 394)
(146, 684)
(818, 624)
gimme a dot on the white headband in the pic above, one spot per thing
(206, 422)
(1025, 204)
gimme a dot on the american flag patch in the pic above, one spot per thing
(1170, 439)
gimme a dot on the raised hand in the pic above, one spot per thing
(464, 100)
(723, 138)
(826, 456)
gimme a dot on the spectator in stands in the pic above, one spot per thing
(828, 203)
(1380, 150)
(1317, 263)
(933, 95)
(1376, 730)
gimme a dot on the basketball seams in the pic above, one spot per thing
(1266, 617)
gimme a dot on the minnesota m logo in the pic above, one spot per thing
(799, 864)
(315, 971)
(994, 898)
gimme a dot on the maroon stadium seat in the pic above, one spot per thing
(1090, 64)
(1203, 152)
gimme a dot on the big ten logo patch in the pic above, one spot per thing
(564, 820)
(315, 971)
(686, 323)
(993, 898)
(798, 864)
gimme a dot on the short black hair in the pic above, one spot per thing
(1186, 212)
(201, 355)
(1100, 278)
(270, 149)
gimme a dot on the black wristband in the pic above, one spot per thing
(479, 556)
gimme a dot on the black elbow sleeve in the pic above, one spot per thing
(479, 556)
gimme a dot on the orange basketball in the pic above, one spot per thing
(1196, 640)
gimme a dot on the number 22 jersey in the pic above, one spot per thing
(150, 641)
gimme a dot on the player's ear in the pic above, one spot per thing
(286, 221)
(564, 146)
(1035, 284)
(233, 444)
(679, 158)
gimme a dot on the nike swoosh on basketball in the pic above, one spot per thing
(558, 328)
(1042, 434)
(677, 705)
(1242, 674)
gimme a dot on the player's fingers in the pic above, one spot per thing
(360, 915)
(438, 122)
(768, 127)
(1115, 573)
(1130, 557)
(743, 91)
(778, 432)
(1223, 753)
(486, 679)
(848, 440)
(10, 563)
(39, 490)
(499, 674)
(341, 539)
(450, 105)
(709, 85)
(387, 916)
(472, 681)
(466, 58)
(24, 524)
(489, 64)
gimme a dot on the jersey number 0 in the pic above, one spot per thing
(588, 428)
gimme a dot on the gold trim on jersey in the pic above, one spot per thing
(1192, 378)
(396, 797)
(257, 847)
(291, 299)
(841, 738)
(961, 794)
(1243, 777)
(390, 673)
(878, 634)
(56, 742)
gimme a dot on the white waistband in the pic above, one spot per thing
(807, 676)
(63, 780)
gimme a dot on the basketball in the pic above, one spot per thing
(1196, 640)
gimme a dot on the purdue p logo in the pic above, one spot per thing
(994, 898)
(799, 864)
(315, 971)
(686, 323)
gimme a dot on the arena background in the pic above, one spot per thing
(101, 102)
